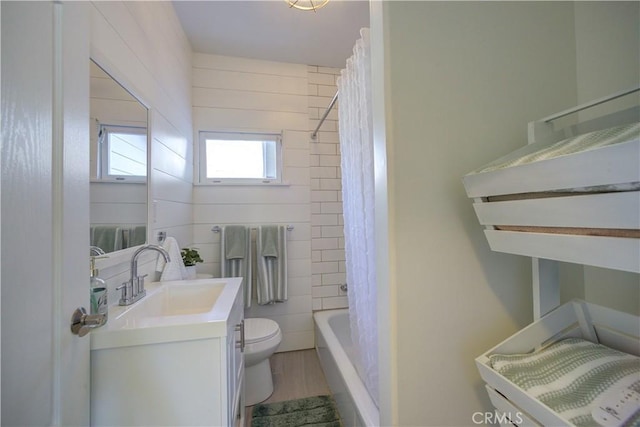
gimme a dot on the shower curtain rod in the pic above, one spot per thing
(314, 135)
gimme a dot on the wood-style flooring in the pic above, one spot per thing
(296, 374)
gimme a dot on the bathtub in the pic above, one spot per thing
(335, 350)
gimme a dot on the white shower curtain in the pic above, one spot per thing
(356, 145)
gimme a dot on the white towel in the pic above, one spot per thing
(174, 269)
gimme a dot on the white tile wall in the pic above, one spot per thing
(251, 95)
(327, 243)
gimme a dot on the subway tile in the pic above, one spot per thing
(324, 196)
(314, 112)
(316, 208)
(334, 278)
(327, 125)
(324, 291)
(317, 304)
(324, 267)
(330, 184)
(324, 148)
(321, 102)
(316, 280)
(329, 136)
(334, 302)
(316, 232)
(333, 255)
(326, 90)
(331, 208)
(324, 172)
(329, 160)
(316, 256)
(324, 219)
(315, 184)
(312, 89)
(322, 79)
(334, 114)
(326, 243)
(332, 231)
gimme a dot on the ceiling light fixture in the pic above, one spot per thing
(307, 4)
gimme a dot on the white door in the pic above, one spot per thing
(45, 212)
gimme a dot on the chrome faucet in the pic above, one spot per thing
(133, 290)
(95, 250)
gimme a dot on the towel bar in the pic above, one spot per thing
(217, 228)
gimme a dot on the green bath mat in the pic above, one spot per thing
(319, 411)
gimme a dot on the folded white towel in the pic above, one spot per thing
(174, 269)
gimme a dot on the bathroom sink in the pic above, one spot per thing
(181, 299)
(171, 311)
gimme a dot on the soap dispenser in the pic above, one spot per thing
(98, 289)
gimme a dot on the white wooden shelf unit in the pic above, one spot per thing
(582, 208)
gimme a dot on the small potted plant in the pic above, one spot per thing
(190, 257)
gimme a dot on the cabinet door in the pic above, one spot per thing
(235, 363)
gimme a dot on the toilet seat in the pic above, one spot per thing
(257, 330)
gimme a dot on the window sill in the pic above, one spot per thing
(241, 184)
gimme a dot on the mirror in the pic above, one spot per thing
(118, 165)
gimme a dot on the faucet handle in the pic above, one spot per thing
(125, 291)
(140, 284)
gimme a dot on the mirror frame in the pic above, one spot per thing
(124, 255)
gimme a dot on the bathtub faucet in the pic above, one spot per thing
(344, 288)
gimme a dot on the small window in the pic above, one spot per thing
(240, 158)
(122, 153)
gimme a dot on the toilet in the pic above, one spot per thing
(262, 337)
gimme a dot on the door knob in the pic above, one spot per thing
(82, 323)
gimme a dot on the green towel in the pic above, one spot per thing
(269, 241)
(137, 235)
(235, 238)
(107, 237)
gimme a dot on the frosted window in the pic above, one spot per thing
(240, 158)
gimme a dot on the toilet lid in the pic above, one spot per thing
(259, 329)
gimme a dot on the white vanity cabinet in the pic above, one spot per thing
(235, 365)
(176, 369)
